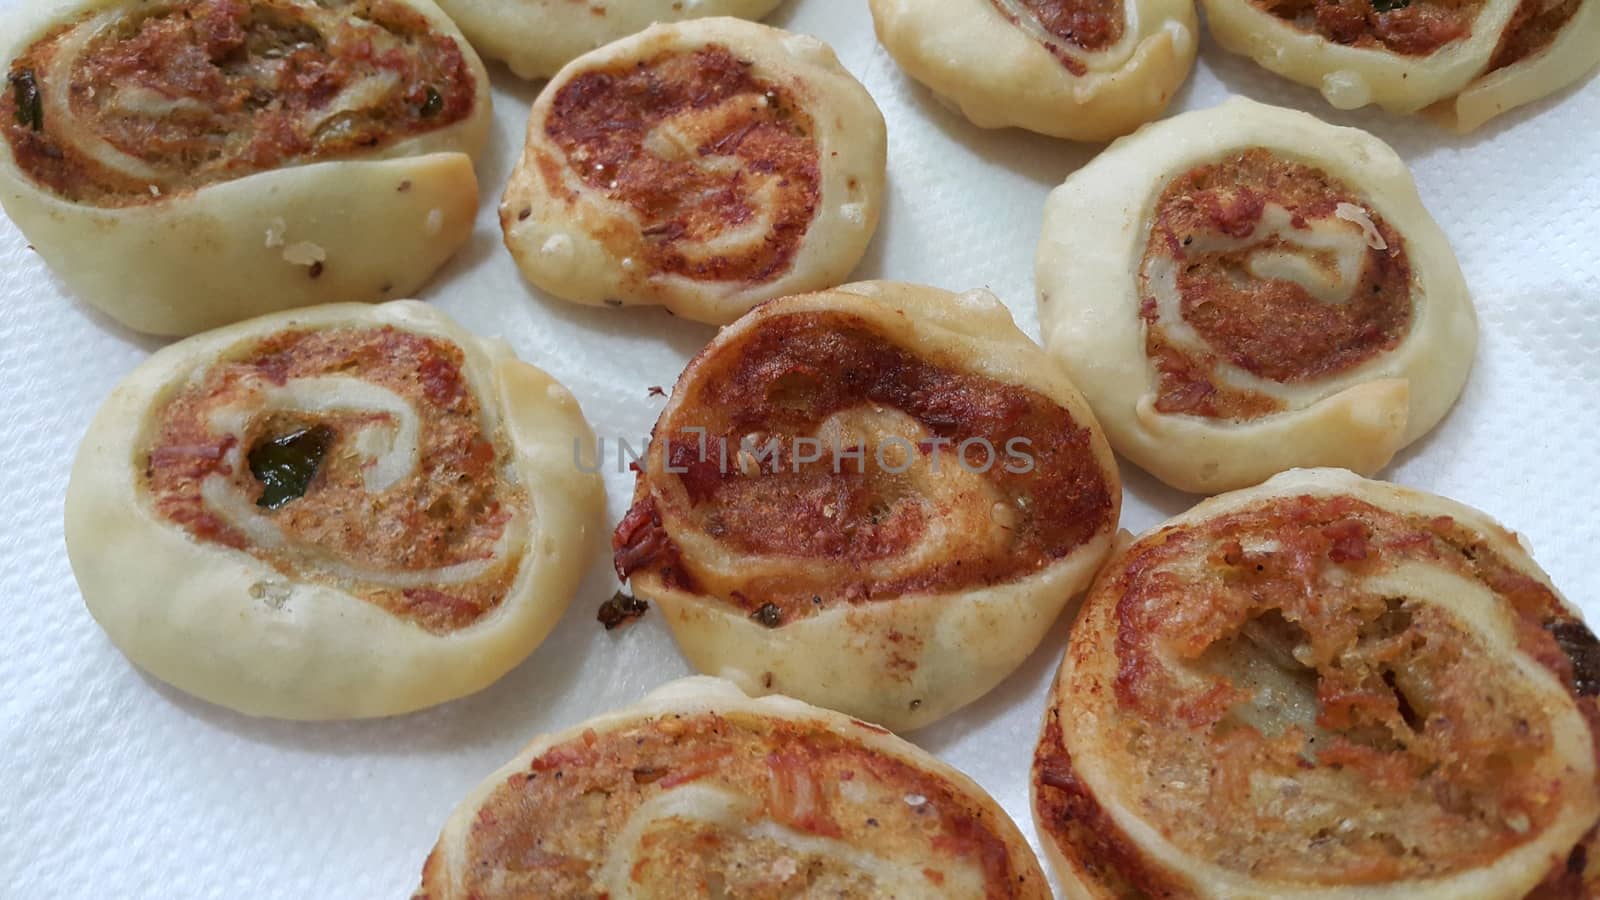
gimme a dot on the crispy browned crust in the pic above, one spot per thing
(534, 829)
(1353, 721)
(1070, 817)
(1575, 878)
(433, 875)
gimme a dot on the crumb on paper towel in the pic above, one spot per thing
(620, 610)
(304, 253)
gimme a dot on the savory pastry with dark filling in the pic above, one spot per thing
(703, 166)
(184, 164)
(338, 512)
(700, 791)
(1473, 59)
(876, 499)
(1549, 45)
(1247, 289)
(1324, 688)
(1088, 70)
(535, 38)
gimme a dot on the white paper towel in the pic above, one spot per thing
(113, 785)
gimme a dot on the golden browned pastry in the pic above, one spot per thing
(703, 166)
(875, 499)
(1324, 687)
(1088, 70)
(1474, 59)
(337, 512)
(183, 164)
(1247, 289)
(699, 791)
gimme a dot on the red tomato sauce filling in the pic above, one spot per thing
(201, 92)
(1534, 27)
(696, 146)
(1089, 25)
(795, 372)
(1415, 28)
(1271, 328)
(451, 509)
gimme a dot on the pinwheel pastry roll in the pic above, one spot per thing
(703, 166)
(184, 164)
(1324, 687)
(1549, 45)
(337, 512)
(876, 499)
(1088, 70)
(1246, 289)
(535, 38)
(700, 791)
(1404, 55)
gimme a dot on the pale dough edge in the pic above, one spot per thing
(1352, 77)
(535, 38)
(999, 76)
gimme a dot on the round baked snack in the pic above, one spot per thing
(1402, 55)
(1088, 70)
(876, 499)
(535, 38)
(700, 791)
(1247, 289)
(338, 512)
(183, 164)
(1549, 45)
(1324, 687)
(703, 166)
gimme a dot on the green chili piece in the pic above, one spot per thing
(433, 104)
(30, 107)
(769, 615)
(285, 466)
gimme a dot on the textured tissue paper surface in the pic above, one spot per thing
(114, 785)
